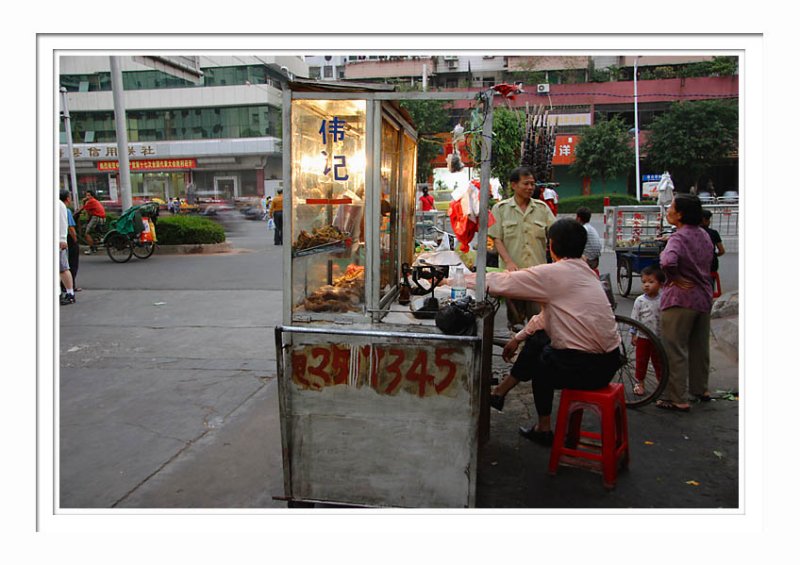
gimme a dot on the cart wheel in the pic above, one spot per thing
(654, 381)
(624, 275)
(118, 247)
(143, 250)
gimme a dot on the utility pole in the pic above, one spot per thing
(636, 126)
(483, 215)
(68, 129)
(125, 197)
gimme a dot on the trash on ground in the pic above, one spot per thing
(693, 483)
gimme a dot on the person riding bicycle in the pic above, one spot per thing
(97, 219)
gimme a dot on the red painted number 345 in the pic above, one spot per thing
(420, 371)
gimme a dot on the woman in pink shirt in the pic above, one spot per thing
(573, 342)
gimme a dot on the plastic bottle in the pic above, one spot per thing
(458, 287)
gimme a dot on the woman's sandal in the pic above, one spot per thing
(638, 389)
(667, 405)
(536, 436)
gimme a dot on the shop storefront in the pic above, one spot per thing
(227, 169)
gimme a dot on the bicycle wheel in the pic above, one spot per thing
(143, 249)
(624, 275)
(654, 380)
(118, 247)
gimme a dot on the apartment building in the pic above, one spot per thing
(219, 134)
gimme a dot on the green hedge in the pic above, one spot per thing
(179, 230)
(593, 202)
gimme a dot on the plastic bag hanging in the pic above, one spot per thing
(454, 163)
(464, 210)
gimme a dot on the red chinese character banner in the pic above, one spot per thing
(149, 164)
(564, 151)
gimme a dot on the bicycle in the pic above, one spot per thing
(129, 236)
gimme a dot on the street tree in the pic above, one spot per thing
(604, 151)
(430, 117)
(692, 137)
(508, 126)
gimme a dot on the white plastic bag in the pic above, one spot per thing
(270, 224)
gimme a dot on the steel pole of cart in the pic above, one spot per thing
(483, 213)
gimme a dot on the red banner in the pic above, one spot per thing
(149, 164)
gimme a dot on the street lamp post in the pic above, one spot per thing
(636, 126)
(126, 199)
(68, 129)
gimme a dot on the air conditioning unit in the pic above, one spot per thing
(452, 64)
(542, 88)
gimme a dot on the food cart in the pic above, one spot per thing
(378, 407)
(631, 231)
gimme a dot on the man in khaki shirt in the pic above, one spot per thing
(520, 235)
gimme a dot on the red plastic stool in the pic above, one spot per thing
(604, 451)
(716, 283)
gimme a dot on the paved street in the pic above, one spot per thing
(168, 397)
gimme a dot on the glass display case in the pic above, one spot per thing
(344, 215)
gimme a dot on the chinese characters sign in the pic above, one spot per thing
(564, 151)
(336, 129)
(388, 369)
(149, 164)
(105, 151)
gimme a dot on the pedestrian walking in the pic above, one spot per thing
(276, 213)
(63, 232)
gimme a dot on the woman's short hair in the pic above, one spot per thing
(63, 195)
(568, 238)
(425, 190)
(690, 208)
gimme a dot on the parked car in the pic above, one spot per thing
(706, 198)
(729, 197)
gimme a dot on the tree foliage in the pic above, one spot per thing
(508, 127)
(691, 137)
(430, 117)
(604, 151)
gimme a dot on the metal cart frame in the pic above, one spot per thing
(375, 412)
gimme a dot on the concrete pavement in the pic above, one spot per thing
(168, 399)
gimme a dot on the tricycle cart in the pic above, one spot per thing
(632, 232)
(378, 406)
